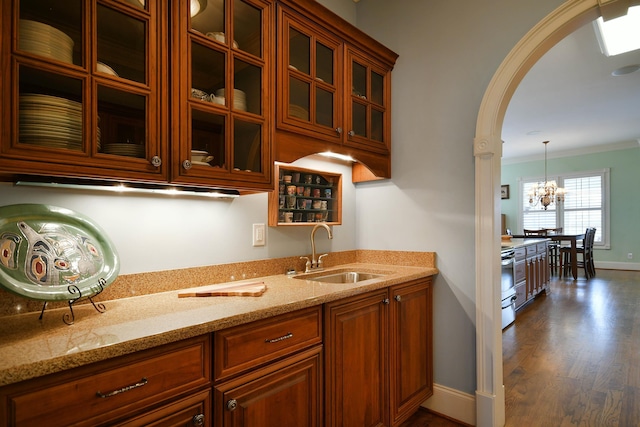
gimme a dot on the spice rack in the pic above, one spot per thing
(305, 197)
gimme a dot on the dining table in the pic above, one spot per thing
(573, 239)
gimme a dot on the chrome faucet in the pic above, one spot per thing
(315, 264)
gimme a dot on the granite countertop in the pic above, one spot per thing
(519, 242)
(31, 348)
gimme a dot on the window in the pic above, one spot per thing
(586, 204)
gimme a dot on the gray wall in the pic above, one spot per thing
(449, 51)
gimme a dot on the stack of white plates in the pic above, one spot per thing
(298, 111)
(239, 98)
(45, 40)
(125, 149)
(50, 121)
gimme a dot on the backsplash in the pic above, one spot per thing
(130, 285)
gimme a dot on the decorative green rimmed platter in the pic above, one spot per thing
(50, 253)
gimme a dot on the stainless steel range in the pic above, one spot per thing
(508, 287)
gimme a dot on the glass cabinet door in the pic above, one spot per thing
(86, 87)
(368, 104)
(223, 89)
(309, 61)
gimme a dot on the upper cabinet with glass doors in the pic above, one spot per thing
(81, 89)
(310, 83)
(368, 103)
(333, 88)
(221, 127)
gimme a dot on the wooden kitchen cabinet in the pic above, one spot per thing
(220, 90)
(305, 197)
(334, 91)
(537, 270)
(103, 90)
(378, 355)
(269, 372)
(83, 94)
(284, 394)
(532, 273)
(160, 386)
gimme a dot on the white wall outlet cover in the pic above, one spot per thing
(259, 235)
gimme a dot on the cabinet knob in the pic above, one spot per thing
(198, 420)
(232, 405)
(186, 164)
(351, 133)
(156, 161)
(397, 298)
(385, 301)
(338, 131)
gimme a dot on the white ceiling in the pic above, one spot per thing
(571, 99)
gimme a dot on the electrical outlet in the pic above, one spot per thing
(629, 255)
(259, 235)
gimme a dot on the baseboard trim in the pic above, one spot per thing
(452, 403)
(611, 265)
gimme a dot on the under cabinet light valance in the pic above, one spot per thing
(131, 188)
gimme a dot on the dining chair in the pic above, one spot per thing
(541, 232)
(553, 250)
(585, 251)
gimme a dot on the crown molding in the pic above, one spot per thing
(594, 149)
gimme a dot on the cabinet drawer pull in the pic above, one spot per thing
(385, 301)
(397, 298)
(142, 382)
(232, 405)
(282, 338)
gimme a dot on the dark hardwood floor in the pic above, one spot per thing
(572, 358)
(424, 418)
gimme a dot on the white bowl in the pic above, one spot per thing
(198, 156)
(104, 68)
(199, 94)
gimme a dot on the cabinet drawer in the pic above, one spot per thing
(542, 247)
(255, 344)
(520, 253)
(531, 250)
(127, 386)
(519, 271)
(521, 295)
(194, 410)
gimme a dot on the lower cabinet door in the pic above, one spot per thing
(356, 343)
(287, 393)
(411, 373)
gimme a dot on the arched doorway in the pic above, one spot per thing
(490, 405)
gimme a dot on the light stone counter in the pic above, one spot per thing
(31, 348)
(520, 242)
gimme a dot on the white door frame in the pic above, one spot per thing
(490, 404)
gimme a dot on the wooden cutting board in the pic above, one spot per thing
(252, 289)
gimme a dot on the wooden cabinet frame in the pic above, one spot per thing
(328, 186)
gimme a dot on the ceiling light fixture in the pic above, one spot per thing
(546, 192)
(619, 35)
(195, 6)
(623, 71)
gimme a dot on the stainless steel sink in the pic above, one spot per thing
(341, 277)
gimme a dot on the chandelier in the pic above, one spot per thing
(547, 192)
